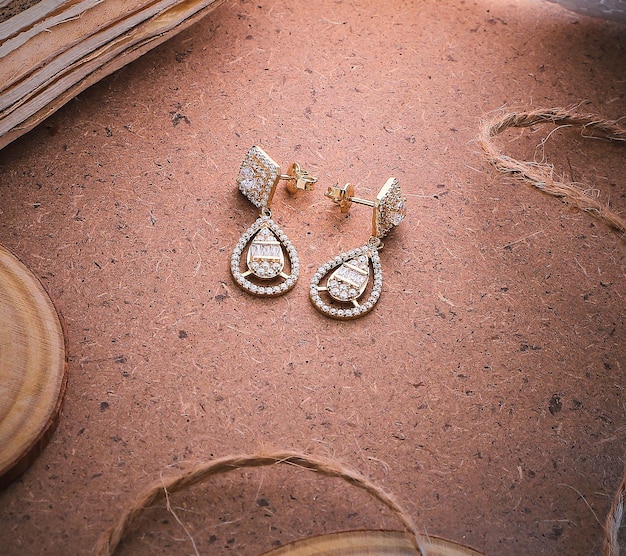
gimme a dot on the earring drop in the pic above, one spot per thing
(265, 244)
(350, 272)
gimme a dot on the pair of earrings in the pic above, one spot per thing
(272, 265)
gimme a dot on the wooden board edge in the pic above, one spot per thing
(37, 446)
(131, 54)
(370, 541)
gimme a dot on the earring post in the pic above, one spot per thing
(365, 202)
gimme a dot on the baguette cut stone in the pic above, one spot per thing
(349, 281)
(350, 273)
(265, 255)
(265, 260)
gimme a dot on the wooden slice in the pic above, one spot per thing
(33, 367)
(369, 543)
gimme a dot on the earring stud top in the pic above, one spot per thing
(259, 175)
(390, 209)
(389, 205)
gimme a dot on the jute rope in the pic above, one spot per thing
(541, 175)
(614, 521)
(108, 543)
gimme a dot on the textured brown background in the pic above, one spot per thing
(485, 390)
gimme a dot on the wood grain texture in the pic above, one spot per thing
(33, 369)
(369, 543)
(56, 49)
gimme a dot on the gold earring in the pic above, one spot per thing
(351, 270)
(264, 243)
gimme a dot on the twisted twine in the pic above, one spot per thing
(540, 175)
(614, 521)
(110, 540)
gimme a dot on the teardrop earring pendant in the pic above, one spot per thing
(349, 274)
(272, 266)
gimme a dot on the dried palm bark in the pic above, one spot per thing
(52, 50)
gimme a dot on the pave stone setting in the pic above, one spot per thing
(266, 244)
(258, 177)
(390, 209)
(347, 283)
